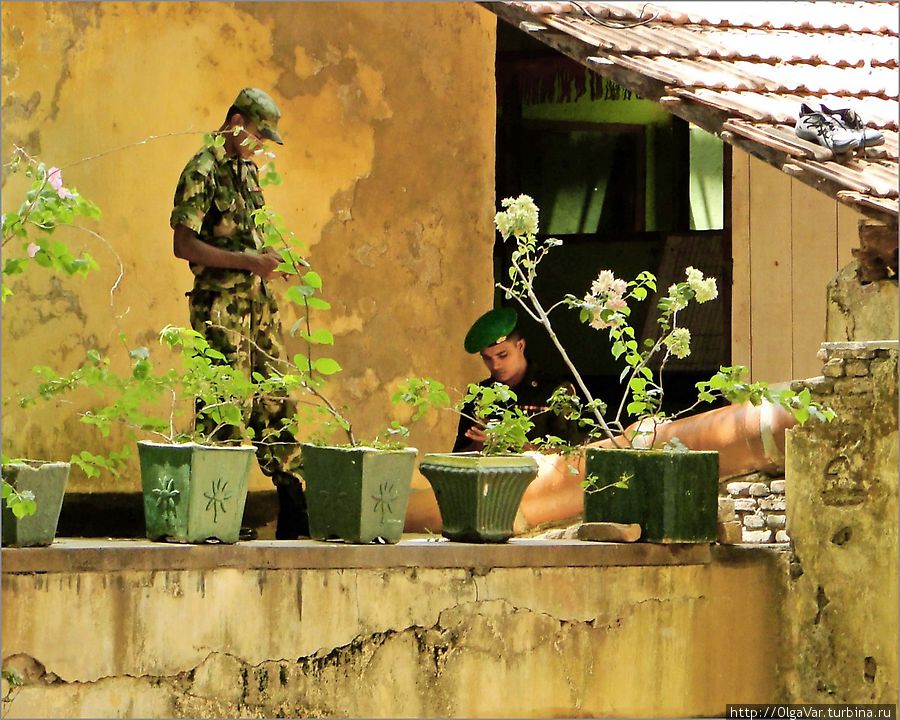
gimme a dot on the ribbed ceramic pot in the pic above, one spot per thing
(194, 493)
(673, 496)
(47, 482)
(357, 494)
(478, 496)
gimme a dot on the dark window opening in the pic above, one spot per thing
(624, 185)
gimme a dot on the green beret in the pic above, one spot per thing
(259, 107)
(491, 328)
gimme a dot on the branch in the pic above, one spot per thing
(98, 236)
(133, 144)
(545, 321)
(328, 404)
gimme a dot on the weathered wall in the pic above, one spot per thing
(388, 120)
(841, 610)
(647, 632)
(858, 311)
(788, 241)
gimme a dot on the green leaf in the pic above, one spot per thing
(24, 507)
(326, 366)
(636, 408)
(313, 279)
(319, 337)
(299, 293)
(14, 266)
(232, 415)
(318, 303)
(302, 362)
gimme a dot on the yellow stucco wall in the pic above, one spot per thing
(388, 119)
(261, 637)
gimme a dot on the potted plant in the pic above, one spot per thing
(670, 491)
(356, 491)
(194, 483)
(33, 490)
(478, 493)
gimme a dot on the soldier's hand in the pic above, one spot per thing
(476, 434)
(265, 263)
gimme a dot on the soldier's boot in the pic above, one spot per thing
(293, 518)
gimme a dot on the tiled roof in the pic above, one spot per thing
(742, 69)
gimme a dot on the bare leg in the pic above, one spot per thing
(747, 438)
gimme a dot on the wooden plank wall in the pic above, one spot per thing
(788, 241)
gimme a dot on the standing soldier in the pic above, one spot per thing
(230, 303)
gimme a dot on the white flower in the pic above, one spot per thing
(520, 217)
(596, 308)
(679, 342)
(678, 302)
(603, 283)
(704, 288)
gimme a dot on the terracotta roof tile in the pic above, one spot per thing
(742, 70)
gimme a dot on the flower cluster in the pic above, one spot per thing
(678, 342)
(606, 301)
(519, 219)
(606, 306)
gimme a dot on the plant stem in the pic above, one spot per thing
(325, 401)
(545, 321)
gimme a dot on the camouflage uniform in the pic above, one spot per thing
(234, 309)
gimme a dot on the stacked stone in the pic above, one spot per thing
(846, 374)
(759, 506)
(757, 501)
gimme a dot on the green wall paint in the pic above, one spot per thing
(706, 180)
(567, 213)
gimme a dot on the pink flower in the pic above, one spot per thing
(54, 176)
(33, 249)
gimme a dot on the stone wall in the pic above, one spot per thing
(757, 502)
(841, 637)
(420, 629)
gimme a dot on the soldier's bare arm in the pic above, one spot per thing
(187, 246)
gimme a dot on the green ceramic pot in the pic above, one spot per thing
(357, 494)
(478, 496)
(673, 496)
(47, 482)
(194, 493)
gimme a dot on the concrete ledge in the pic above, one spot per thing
(68, 555)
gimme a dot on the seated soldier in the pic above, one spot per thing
(496, 338)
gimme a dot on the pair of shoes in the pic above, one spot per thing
(247, 533)
(819, 127)
(839, 130)
(852, 121)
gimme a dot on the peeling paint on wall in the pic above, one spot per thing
(388, 117)
(421, 642)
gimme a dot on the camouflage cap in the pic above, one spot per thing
(259, 107)
(490, 329)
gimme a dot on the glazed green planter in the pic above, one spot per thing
(673, 496)
(47, 482)
(357, 494)
(194, 493)
(478, 496)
